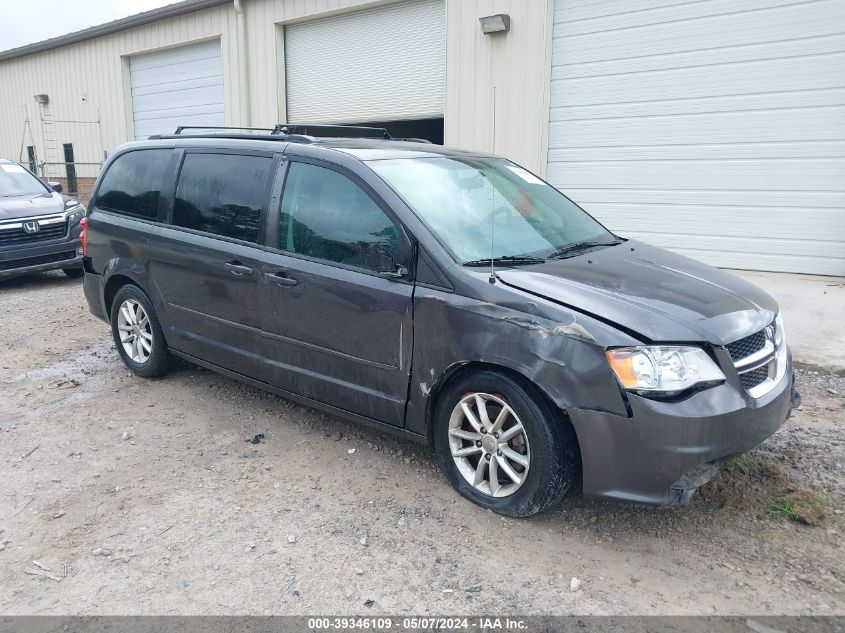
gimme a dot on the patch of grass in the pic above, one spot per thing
(744, 481)
(746, 464)
(801, 504)
(759, 484)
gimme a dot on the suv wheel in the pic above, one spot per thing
(73, 273)
(502, 446)
(137, 333)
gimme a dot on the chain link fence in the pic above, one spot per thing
(76, 178)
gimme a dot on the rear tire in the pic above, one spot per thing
(73, 273)
(530, 463)
(137, 333)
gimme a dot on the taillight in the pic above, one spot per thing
(83, 236)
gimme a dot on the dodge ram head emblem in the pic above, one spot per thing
(31, 227)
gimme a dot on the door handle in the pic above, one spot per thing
(280, 277)
(238, 269)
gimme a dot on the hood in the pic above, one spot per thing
(660, 296)
(29, 206)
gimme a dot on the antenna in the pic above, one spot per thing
(492, 279)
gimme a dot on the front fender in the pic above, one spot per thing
(563, 357)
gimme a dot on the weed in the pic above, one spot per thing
(801, 504)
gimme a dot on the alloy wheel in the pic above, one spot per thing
(489, 444)
(136, 335)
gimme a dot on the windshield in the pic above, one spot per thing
(464, 200)
(17, 181)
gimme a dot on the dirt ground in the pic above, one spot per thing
(120, 495)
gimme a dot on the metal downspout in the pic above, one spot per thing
(243, 66)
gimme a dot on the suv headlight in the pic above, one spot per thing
(74, 212)
(663, 369)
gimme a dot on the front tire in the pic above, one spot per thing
(502, 446)
(73, 273)
(137, 333)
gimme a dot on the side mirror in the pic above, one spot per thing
(385, 264)
(55, 186)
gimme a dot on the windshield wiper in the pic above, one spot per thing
(507, 260)
(572, 249)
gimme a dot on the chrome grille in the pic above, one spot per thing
(12, 232)
(747, 346)
(757, 358)
(751, 379)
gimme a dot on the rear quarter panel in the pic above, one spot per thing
(119, 245)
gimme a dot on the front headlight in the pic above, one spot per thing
(665, 369)
(780, 333)
(74, 212)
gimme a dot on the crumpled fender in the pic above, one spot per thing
(560, 351)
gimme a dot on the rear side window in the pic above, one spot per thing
(223, 194)
(132, 185)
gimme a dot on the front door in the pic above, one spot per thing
(343, 300)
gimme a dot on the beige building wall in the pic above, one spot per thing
(90, 101)
(517, 63)
(88, 81)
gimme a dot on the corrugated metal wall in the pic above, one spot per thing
(639, 118)
(176, 86)
(382, 64)
(265, 20)
(707, 127)
(90, 80)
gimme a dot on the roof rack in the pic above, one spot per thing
(291, 132)
(345, 131)
(222, 127)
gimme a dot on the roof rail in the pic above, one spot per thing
(346, 131)
(294, 133)
(222, 127)
(229, 135)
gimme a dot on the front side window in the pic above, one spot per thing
(223, 194)
(327, 216)
(132, 185)
(482, 207)
(17, 181)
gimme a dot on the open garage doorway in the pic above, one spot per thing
(427, 129)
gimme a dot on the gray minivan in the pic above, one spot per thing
(449, 296)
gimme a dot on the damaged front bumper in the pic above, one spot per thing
(665, 450)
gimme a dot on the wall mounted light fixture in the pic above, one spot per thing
(499, 23)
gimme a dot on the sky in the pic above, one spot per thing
(28, 21)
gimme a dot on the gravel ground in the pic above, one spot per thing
(122, 495)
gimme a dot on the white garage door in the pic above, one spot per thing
(177, 86)
(382, 64)
(713, 128)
